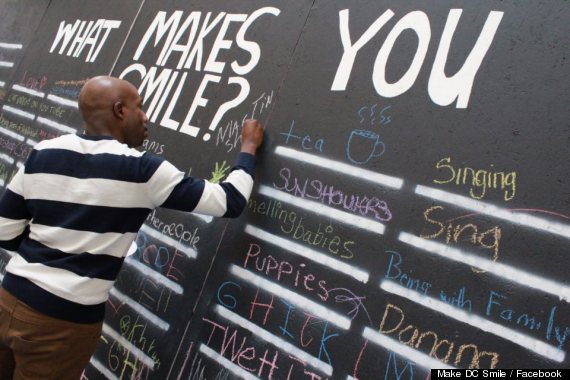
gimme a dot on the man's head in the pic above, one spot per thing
(112, 106)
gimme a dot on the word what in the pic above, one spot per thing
(75, 37)
(442, 89)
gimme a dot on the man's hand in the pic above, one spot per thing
(251, 136)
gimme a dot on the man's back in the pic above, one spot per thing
(87, 197)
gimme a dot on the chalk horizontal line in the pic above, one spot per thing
(304, 303)
(320, 209)
(19, 112)
(141, 310)
(543, 349)
(522, 219)
(341, 167)
(2, 83)
(154, 275)
(498, 269)
(205, 218)
(28, 91)
(102, 369)
(272, 339)
(7, 45)
(6, 64)
(188, 251)
(63, 101)
(11, 134)
(53, 124)
(409, 353)
(135, 351)
(226, 363)
(4, 157)
(308, 253)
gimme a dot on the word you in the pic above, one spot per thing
(479, 179)
(454, 232)
(80, 34)
(442, 89)
(183, 41)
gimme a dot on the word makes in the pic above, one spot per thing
(328, 195)
(293, 225)
(186, 38)
(410, 335)
(488, 239)
(442, 89)
(86, 33)
(282, 269)
(480, 179)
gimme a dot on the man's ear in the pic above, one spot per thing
(118, 110)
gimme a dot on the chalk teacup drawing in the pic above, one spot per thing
(363, 145)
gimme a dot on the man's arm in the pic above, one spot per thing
(227, 199)
(14, 214)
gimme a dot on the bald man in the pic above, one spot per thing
(72, 213)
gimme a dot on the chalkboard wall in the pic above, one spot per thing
(411, 208)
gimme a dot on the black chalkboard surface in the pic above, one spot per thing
(411, 208)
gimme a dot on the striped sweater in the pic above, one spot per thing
(72, 212)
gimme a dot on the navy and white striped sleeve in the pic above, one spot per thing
(227, 199)
(14, 214)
